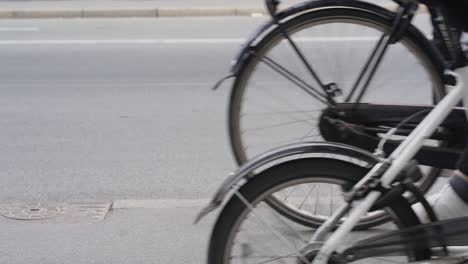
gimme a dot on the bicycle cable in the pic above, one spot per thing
(392, 131)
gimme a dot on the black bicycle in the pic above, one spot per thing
(331, 70)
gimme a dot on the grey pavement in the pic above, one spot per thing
(92, 113)
(138, 8)
(85, 103)
(131, 119)
(107, 122)
(133, 236)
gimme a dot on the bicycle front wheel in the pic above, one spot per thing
(249, 231)
(267, 110)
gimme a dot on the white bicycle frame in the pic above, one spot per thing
(399, 158)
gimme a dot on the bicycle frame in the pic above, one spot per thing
(398, 158)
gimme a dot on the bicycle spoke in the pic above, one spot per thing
(307, 135)
(271, 229)
(277, 259)
(316, 202)
(300, 139)
(283, 112)
(273, 258)
(331, 199)
(303, 114)
(307, 196)
(273, 126)
(247, 251)
(289, 193)
(284, 142)
(291, 114)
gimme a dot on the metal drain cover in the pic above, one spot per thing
(30, 211)
(76, 212)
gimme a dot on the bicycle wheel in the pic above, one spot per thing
(267, 110)
(249, 231)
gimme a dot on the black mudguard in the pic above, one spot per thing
(311, 6)
(261, 162)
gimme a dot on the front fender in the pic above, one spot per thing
(261, 162)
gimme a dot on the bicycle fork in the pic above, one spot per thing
(398, 159)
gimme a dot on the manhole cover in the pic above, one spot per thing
(30, 211)
(77, 212)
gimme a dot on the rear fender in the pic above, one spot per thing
(289, 13)
(312, 5)
(294, 11)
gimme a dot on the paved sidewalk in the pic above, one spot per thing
(127, 236)
(137, 8)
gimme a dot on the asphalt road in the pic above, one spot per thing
(108, 121)
(105, 122)
(104, 110)
(92, 112)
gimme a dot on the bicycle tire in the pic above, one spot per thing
(228, 224)
(370, 14)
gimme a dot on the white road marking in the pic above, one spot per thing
(168, 41)
(115, 41)
(21, 29)
(257, 15)
(159, 203)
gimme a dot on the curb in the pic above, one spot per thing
(146, 12)
(114, 13)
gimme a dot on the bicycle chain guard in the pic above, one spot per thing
(428, 236)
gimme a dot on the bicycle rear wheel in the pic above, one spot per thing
(249, 231)
(267, 110)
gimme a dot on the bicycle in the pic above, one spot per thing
(312, 105)
(372, 181)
